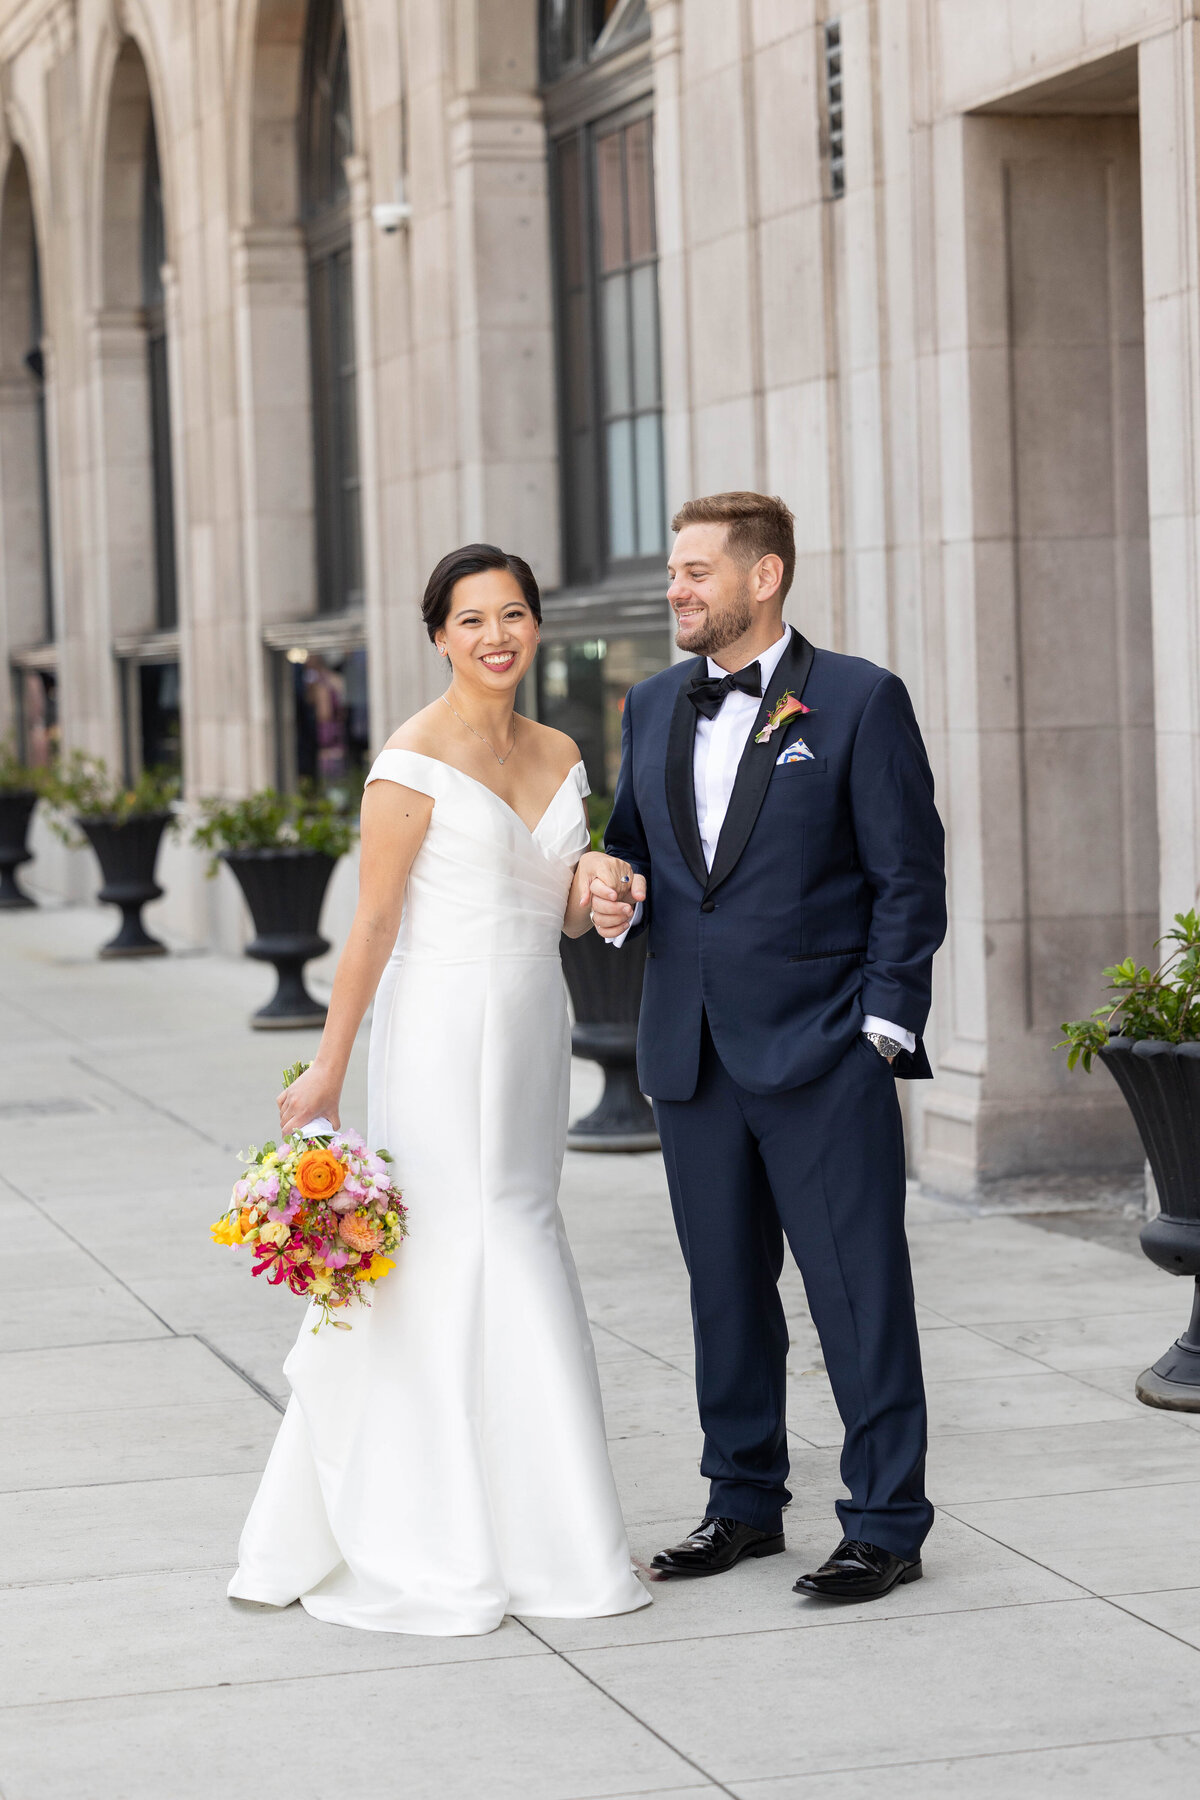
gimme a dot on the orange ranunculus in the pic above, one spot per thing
(319, 1174)
(359, 1232)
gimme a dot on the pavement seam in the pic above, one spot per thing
(164, 1112)
(628, 1710)
(834, 1623)
(948, 1506)
(90, 1254)
(1085, 1590)
(259, 1389)
(1115, 1603)
(930, 1762)
(212, 1687)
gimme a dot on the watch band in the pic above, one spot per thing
(886, 1046)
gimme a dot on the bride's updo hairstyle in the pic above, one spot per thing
(473, 559)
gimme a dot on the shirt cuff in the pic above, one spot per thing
(615, 943)
(906, 1039)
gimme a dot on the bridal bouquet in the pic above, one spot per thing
(320, 1212)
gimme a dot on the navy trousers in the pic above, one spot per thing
(822, 1164)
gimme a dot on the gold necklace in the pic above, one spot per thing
(500, 759)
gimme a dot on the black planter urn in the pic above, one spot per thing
(606, 993)
(285, 890)
(1161, 1082)
(16, 809)
(127, 851)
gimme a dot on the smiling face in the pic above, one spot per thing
(490, 633)
(710, 594)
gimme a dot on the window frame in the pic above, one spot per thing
(329, 267)
(605, 569)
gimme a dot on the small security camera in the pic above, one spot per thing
(390, 215)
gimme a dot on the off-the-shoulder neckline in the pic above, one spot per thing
(399, 750)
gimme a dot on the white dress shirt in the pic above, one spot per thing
(719, 745)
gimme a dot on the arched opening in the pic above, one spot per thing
(299, 376)
(133, 355)
(27, 624)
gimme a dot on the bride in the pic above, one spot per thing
(444, 1462)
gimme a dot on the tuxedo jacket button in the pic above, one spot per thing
(708, 906)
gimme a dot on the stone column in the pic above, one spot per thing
(1169, 74)
(508, 469)
(275, 442)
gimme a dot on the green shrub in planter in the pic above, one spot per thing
(282, 849)
(124, 823)
(1148, 1039)
(20, 787)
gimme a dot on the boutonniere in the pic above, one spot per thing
(783, 710)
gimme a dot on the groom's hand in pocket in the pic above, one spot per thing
(614, 899)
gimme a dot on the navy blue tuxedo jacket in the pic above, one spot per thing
(826, 898)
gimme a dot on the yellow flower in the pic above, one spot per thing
(320, 1285)
(376, 1269)
(275, 1231)
(222, 1231)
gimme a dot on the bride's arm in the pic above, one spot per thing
(394, 821)
(617, 876)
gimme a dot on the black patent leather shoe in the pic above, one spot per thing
(858, 1571)
(714, 1546)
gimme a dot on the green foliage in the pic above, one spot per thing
(269, 820)
(1162, 1003)
(294, 1071)
(599, 809)
(15, 776)
(81, 787)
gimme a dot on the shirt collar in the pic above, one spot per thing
(768, 662)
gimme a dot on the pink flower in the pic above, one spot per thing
(787, 707)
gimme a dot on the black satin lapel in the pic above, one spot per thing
(681, 781)
(758, 761)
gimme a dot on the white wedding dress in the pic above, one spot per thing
(444, 1462)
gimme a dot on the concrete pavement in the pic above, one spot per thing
(1053, 1648)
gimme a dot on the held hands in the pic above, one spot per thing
(313, 1095)
(614, 890)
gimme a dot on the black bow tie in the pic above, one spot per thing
(707, 692)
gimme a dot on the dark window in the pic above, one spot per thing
(37, 716)
(35, 362)
(574, 32)
(834, 120)
(326, 141)
(611, 402)
(154, 255)
(158, 696)
(322, 706)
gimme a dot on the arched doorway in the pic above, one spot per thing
(299, 376)
(27, 622)
(137, 473)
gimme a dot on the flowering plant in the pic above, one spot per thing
(320, 1212)
(785, 708)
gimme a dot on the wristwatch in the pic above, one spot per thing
(886, 1046)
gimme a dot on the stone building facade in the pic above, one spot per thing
(297, 294)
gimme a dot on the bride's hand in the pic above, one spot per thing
(610, 884)
(313, 1095)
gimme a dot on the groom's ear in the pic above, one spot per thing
(766, 577)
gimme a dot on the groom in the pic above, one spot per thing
(776, 806)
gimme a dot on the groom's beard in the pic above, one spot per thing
(720, 629)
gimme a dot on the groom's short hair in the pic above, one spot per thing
(759, 525)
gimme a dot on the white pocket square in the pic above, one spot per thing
(797, 751)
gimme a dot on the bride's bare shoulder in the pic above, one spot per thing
(554, 749)
(422, 733)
